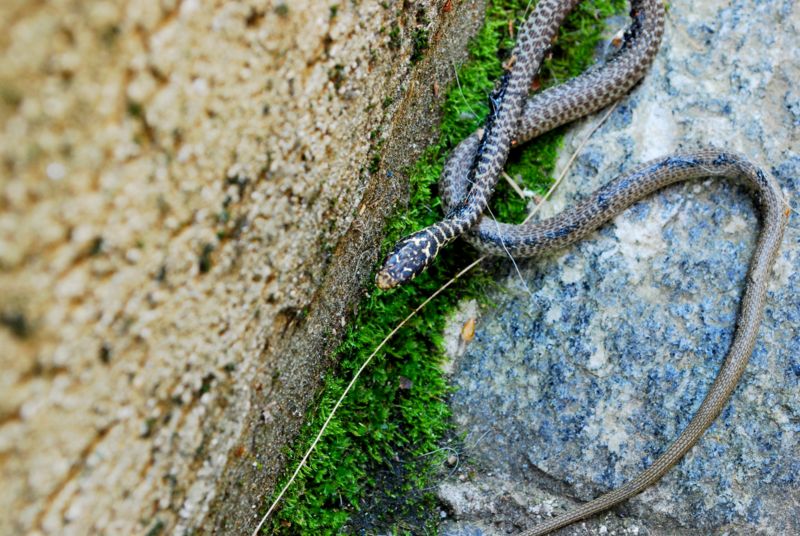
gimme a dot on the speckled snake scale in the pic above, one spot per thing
(473, 169)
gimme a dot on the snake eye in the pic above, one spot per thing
(408, 259)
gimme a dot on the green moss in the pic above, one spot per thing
(96, 246)
(105, 353)
(420, 44)
(110, 34)
(395, 37)
(135, 109)
(16, 322)
(371, 468)
(336, 75)
(156, 529)
(204, 261)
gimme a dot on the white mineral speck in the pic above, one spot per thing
(56, 171)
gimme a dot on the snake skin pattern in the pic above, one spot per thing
(520, 118)
(472, 171)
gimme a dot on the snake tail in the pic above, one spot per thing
(769, 199)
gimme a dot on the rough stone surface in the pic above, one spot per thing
(584, 369)
(177, 247)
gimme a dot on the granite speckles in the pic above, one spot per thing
(583, 383)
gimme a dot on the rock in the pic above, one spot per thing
(189, 207)
(589, 365)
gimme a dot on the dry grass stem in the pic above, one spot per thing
(409, 317)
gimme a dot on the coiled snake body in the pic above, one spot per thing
(472, 171)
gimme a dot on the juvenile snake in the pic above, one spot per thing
(472, 171)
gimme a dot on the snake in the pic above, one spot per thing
(472, 170)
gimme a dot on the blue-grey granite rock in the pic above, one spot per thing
(585, 368)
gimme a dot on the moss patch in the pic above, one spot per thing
(371, 469)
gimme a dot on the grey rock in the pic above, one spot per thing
(590, 363)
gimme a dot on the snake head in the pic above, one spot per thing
(409, 258)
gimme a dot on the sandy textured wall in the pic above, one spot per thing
(179, 184)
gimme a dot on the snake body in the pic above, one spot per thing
(520, 118)
(472, 171)
(612, 199)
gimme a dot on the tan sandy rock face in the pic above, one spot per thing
(176, 176)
